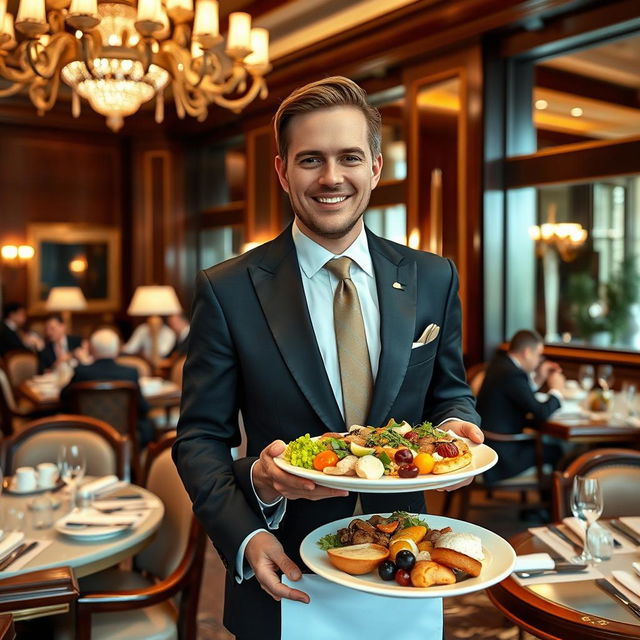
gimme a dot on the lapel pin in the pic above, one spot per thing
(397, 285)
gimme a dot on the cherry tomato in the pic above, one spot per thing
(403, 456)
(408, 470)
(424, 462)
(412, 436)
(325, 459)
(403, 578)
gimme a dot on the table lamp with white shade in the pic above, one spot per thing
(154, 301)
(65, 300)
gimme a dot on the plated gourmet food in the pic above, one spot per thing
(396, 450)
(404, 548)
(374, 553)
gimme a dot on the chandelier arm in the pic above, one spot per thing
(53, 53)
(238, 75)
(259, 86)
(12, 90)
(22, 75)
(37, 92)
(193, 103)
(87, 56)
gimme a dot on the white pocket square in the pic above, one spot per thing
(428, 335)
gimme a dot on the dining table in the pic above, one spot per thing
(44, 393)
(561, 610)
(85, 556)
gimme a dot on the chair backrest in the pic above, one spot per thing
(7, 405)
(115, 402)
(138, 362)
(106, 450)
(618, 471)
(169, 545)
(175, 374)
(475, 376)
(20, 366)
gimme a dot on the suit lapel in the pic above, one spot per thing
(278, 285)
(397, 322)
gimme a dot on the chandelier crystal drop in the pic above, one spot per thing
(118, 55)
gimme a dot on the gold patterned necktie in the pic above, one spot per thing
(351, 340)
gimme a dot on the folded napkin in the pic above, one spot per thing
(96, 517)
(633, 522)
(553, 542)
(339, 612)
(632, 421)
(534, 562)
(10, 542)
(98, 486)
(126, 505)
(25, 559)
(630, 584)
(579, 529)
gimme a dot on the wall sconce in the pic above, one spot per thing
(14, 255)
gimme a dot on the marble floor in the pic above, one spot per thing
(470, 617)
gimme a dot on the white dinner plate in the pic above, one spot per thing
(91, 533)
(483, 458)
(498, 562)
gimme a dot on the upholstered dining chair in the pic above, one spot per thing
(137, 362)
(618, 471)
(106, 450)
(13, 413)
(20, 366)
(475, 376)
(116, 403)
(139, 604)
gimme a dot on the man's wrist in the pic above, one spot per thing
(265, 492)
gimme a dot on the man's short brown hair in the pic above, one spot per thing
(524, 339)
(336, 91)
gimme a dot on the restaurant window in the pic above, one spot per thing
(570, 207)
(219, 244)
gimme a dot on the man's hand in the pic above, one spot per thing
(271, 482)
(266, 556)
(544, 371)
(556, 380)
(465, 430)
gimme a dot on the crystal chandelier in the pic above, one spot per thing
(118, 55)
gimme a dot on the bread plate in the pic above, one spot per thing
(499, 561)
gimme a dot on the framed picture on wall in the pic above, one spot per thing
(75, 255)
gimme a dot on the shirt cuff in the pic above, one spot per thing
(243, 570)
(557, 394)
(272, 512)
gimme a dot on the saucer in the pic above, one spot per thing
(8, 487)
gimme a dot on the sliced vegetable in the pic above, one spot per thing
(324, 459)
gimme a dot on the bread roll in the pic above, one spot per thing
(426, 573)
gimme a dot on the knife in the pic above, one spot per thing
(16, 553)
(625, 530)
(605, 585)
(98, 524)
(565, 538)
(566, 567)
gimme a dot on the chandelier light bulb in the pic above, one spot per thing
(7, 33)
(31, 19)
(239, 38)
(3, 13)
(259, 56)
(205, 24)
(83, 14)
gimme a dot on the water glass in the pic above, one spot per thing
(41, 512)
(586, 377)
(629, 390)
(14, 520)
(599, 542)
(587, 506)
(71, 464)
(605, 376)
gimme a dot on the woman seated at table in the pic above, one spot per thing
(104, 346)
(507, 403)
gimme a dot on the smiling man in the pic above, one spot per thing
(321, 328)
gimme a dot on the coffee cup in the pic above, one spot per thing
(26, 479)
(47, 475)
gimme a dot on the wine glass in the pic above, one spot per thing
(71, 464)
(586, 377)
(605, 376)
(629, 390)
(587, 506)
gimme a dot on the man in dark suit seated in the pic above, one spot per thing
(507, 402)
(104, 346)
(14, 317)
(59, 347)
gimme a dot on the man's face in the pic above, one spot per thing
(532, 358)
(19, 317)
(54, 330)
(329, 173)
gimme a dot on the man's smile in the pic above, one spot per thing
(330, 199)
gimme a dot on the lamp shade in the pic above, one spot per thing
(154, 301)
(66, 299)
